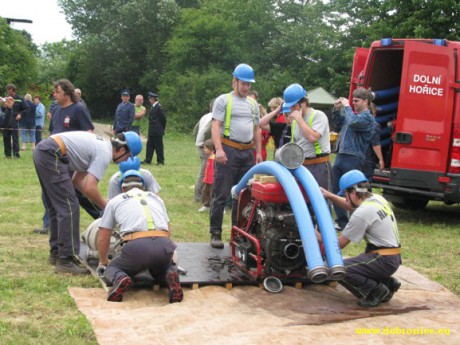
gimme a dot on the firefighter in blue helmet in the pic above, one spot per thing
(144, 226)
(368, 274)
(235, 132)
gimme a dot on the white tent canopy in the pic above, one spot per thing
(320, 97)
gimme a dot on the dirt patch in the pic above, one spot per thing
(250, 315)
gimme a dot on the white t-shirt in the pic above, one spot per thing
(129, 212)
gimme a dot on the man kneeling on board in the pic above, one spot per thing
(369, 275)
(144, 226)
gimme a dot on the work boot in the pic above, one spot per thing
(216, 241)
(375, 297)
(175, 290)
(41, 231)
(53, 257)
(119, 288)
(68, 265)
(393, 285)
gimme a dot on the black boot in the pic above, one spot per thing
(69, 265)
(393, 285)
(216, 241)
(375, 297)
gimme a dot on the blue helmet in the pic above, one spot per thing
(292, 95)
(131, 173)
(134, 142)
(244, 72)
(132, 163)
(349, 179)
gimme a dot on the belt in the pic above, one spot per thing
(60, 143)
(144, 234)
(236, 145)
(386, 251)
(318, 160)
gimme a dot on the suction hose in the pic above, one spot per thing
(317, 272)
(323, 217)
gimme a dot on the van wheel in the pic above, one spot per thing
(411, 204)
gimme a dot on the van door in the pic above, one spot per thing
(357, 73)
(424, 119)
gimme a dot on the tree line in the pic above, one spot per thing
(185, 50)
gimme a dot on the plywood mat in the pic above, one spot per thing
(249, 315)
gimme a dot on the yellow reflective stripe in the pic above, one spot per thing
(143, 200)
(383, 205)
(228, 115)
(316, 143)
(293, 126)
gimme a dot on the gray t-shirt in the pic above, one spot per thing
(151, 185)
(87, 152)
(320, 124)
(244, 116)
(374, 221)
(129, 212)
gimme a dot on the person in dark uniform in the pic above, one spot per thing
(144, 225)
(157, 127)
(369, 275)
(12, 110)
(124, 115)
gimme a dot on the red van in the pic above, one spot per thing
(417, 93)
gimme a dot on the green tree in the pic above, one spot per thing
(121, 46)
(17, 57)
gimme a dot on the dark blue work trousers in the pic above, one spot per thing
(151, 253)
(59, 192)
(366, 271)
(225, 177)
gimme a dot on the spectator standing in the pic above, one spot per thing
(124, 115)
(13, 110)
(273, 105)
(369, 275)
(353, 142)
(157, 127)
(235, 131)
(202, 131)
(208, 179)
(27, 123)
(39, 118)
(79, 99)
(145, 228)
(139, 112)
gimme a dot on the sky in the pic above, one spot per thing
(49, 24)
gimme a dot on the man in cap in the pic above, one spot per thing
(88, 156)
(235, 132)
(368, 274)
(144, 225)
(124, 115)
(353, 142)
(157, 127)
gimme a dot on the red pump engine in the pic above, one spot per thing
(266, 240)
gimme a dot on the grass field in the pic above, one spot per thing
(35, 307)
